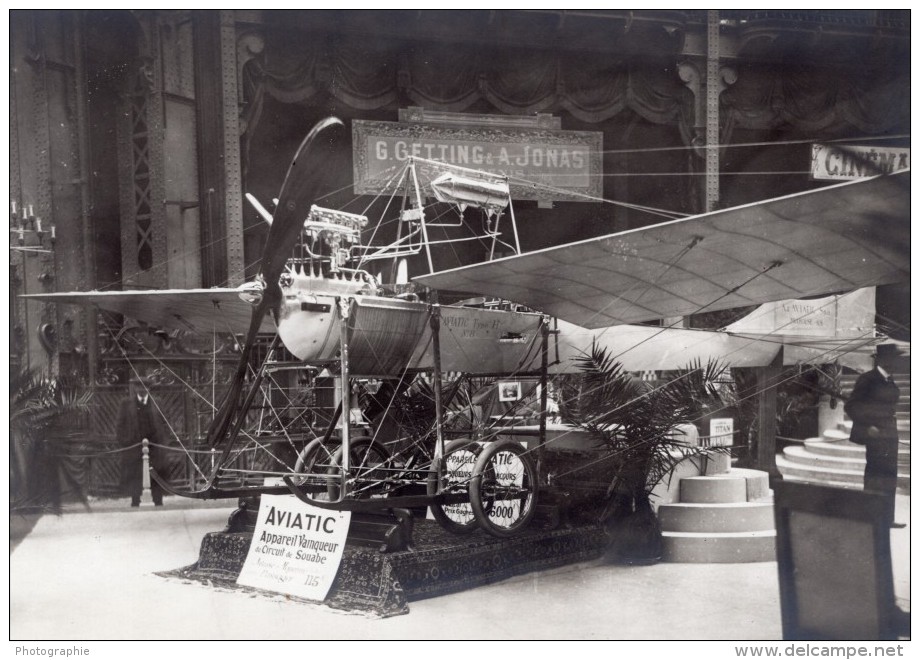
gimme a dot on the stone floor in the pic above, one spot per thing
(90, 576)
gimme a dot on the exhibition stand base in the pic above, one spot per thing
(438, 563)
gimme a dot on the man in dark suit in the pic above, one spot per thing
(138, 418)
(872, 407)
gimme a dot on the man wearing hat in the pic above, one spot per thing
(138, 418)
(872, 407)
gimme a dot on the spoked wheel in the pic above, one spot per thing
(314, 462)
(458, 461)
(365, 458)
(503, 489)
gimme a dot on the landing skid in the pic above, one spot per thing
(212, 492)
(376, 503)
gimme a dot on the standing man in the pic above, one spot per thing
(138, 419)
(872, 407)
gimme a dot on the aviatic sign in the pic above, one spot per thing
(296, 548)
(844, 162)
(542, 164)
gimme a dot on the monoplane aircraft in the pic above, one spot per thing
(342, 307)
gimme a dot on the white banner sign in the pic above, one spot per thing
(845, 162)
(296, 548)
(567, 164)
(721, 431)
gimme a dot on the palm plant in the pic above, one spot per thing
(38, 404)
(698, 390)
(639, 427)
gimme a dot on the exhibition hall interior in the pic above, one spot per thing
(598, 318)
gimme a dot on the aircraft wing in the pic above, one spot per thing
(824, 241)
(200, 310)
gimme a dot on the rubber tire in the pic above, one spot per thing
(482, 480)
(437, 510)
(315, 452)
(357, 447)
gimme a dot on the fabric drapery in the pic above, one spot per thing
(381, 73)
(817, 99)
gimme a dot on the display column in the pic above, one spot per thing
(231, 147)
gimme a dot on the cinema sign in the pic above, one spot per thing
(564, 165)
(842, 162)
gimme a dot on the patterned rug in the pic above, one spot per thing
(440, 563)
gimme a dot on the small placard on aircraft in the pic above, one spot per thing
(296, 548)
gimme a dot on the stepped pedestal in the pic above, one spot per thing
(723, 518)
(832, 460)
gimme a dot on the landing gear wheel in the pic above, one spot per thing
(314, 462)
(503, 490)
(458, 460)
(364, 455)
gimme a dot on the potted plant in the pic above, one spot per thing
(639, 427)
(40, 404)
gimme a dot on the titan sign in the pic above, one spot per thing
(844, 162)
(564, 165)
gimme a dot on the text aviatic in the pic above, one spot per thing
(296, 548)
(541, 165)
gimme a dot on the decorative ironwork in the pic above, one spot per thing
(107, 376)
(141, 179)
(104, 471)
(141, 172)
(161, 376)
(140, 341)
(105, 410)
(198, 344)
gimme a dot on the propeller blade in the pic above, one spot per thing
(310, 177)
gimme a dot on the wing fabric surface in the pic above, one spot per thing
(197, 310)
(824, 241)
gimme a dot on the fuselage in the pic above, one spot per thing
(387, 334)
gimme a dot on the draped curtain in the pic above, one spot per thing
(376, 74)
(370, 74)
(819, 100)
(387, 74)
